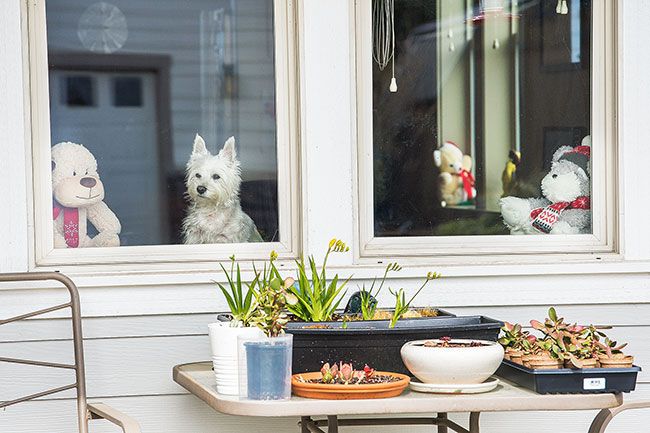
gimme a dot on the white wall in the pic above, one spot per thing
(138, 327)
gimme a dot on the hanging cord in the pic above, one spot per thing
(383, 31)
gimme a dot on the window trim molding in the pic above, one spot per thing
(42, 254)
(451, 250)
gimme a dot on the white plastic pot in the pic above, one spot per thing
(225, 358)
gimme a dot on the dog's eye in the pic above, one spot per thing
(216, 177)
(198, 175)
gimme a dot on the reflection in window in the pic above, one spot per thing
(157, 75)
(488, 131)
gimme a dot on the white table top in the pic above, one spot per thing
(198, 379)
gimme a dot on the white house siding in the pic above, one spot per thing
(138, 328)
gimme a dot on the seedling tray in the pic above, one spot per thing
(571, 381)
(375, 344)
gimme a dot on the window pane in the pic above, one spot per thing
(488, 131)
(134, 81)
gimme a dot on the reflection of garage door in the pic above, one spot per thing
(114, 116)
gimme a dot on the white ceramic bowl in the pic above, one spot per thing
(452, 365)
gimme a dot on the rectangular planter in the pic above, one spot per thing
(570, 381)
(375, 344)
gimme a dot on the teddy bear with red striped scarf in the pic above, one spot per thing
(78, 199)
(565, 207)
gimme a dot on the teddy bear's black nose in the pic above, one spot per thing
(201, 189)
(88, 182)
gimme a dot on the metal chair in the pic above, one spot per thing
(85, 411)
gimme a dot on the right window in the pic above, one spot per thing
(481, 120)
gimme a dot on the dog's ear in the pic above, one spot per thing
(228, 152)
(199, 148)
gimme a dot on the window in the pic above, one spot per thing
(133, 106)
(479, 120)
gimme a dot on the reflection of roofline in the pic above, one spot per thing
(478, 19)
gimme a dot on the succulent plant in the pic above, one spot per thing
(562, 341)
(345, 374)
(272, 299)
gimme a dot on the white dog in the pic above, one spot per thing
(215, 214)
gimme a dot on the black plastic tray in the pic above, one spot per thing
(571, 381)
(374, 343)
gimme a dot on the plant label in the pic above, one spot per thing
(594, 383)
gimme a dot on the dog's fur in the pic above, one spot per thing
(215, 214)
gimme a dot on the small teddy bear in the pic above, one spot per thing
(455, 181)
(78, 196)
(565, 207)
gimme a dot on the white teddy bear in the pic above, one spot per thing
(78, 195)
(565, 206)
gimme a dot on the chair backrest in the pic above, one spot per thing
(78, 366)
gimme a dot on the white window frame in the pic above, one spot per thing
(602, 244)
(163, 257)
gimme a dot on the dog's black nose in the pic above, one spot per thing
(88, 182)
(201, 189)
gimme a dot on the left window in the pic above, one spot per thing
(161, 123)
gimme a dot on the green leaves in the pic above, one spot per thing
(317, 299)
(401, 306)
(239, 301)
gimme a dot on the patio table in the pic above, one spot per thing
(199, 380)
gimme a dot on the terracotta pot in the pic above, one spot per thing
(516, 356)
(545, 363)
(525, 359)
(348, 392)
(586, 363)
(625, 362)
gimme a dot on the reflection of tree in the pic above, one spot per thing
(405, 124)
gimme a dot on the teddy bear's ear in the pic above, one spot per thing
(199, 146)
(467, 162)
(437, 157)
(229, 152)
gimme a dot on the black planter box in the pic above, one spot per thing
(375, 344)
(570, 381)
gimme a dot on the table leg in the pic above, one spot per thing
(332, 424)
(442, 428)
(474, 422)
(303, 424)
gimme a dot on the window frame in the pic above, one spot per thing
(451, 250)
(159, 257)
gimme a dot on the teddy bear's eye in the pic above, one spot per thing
(74, 173)
(86, 173)
(554, 176)
(216, 177)
(198, 175)
(451, 165)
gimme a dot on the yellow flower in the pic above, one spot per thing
(274, 255)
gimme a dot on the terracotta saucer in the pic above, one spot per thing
(348, 392)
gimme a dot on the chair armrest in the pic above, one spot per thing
(102, 411)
